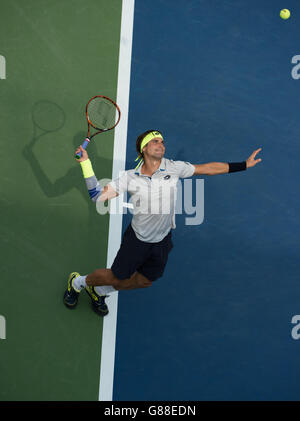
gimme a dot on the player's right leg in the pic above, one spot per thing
(112, 283)
(106, 277)
(137, 280)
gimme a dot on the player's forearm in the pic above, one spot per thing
(91, 181)
(96, 192)
(215, 168)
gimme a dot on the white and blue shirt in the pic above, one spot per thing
(153, 198)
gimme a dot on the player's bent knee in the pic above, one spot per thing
(142, 281)
(116, 283)
(137, 280)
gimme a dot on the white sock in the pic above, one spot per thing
(105, 289)
(79, 283)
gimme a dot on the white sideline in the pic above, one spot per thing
(115, 221)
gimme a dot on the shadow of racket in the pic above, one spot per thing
(47, 117)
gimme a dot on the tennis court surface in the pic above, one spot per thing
(219, 80)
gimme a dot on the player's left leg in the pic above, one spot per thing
(71, 294)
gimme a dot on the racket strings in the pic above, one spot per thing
(101, 113)
(48, 116)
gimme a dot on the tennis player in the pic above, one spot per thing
(147, 240)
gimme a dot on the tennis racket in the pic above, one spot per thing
(102, 114)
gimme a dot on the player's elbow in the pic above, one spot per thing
(108, 193)
(210, 171)
(103, 197)
(203, 169)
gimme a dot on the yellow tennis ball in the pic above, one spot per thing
(285, 14)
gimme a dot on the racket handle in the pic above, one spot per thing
(84, 145)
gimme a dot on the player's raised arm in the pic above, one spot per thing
(95, 190)
(214, 168)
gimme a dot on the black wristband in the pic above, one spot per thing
(237, 166)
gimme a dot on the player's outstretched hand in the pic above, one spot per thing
(84, 155)
(251, 161)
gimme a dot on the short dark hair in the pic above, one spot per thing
(140, 139)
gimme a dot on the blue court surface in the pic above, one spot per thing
(216, 78)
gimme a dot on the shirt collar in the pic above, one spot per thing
(162, 167)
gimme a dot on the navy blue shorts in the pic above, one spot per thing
(149, 259)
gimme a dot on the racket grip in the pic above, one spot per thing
(84, 145)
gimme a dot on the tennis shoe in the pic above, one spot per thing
(97, 301)
(71, 294)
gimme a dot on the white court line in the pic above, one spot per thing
(115, 221)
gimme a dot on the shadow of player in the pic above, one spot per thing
(49, 118)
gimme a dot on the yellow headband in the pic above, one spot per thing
(147, 139)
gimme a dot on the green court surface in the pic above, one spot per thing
(58, 55)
